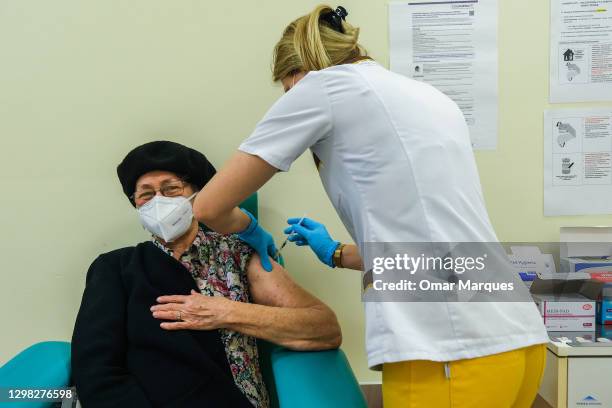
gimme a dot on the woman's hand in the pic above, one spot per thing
(260, 240)
(192, 312)
(314, 234)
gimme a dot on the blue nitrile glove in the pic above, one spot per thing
(260, 240)
(314, 234)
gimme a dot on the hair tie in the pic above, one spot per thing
(335, 17)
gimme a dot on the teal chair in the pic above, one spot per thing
(45, 364)
(295, 379)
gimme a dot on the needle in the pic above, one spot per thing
(278, 251)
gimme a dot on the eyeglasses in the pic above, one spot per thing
(172, 188)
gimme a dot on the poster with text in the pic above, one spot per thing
(578, 161)
(580, 51)
(451, 45)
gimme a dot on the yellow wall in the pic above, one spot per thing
(81, 83)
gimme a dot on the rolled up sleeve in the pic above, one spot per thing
(298, 120)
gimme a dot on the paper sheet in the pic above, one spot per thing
(453, 46)
(578, 161)
(580, 51)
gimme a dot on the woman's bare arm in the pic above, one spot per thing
(283, 312)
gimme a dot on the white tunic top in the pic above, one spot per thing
(398, 166)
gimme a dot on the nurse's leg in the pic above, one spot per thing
(415, 384)
(490, 381)
(504, 380)
(535, 362)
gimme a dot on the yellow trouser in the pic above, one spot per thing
(505, 380)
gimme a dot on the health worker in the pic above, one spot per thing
(395, 158)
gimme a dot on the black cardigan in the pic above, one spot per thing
(120, 355)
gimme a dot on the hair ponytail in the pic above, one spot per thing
(310, 43)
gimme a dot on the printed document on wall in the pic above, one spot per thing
(451, 45)
(578, 161)
(580, 51)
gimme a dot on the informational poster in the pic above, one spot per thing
(451, 45)
(581, 51)
(578, 161)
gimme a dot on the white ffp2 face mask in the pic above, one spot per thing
(167, 217)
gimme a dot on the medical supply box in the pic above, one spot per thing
(585, 249)
(589, 250)
(604, 305)
(528, 260)
(561, 300)
(586, 264)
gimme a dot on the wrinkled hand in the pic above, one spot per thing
(315, 235)
(196, 311)
(260, 240)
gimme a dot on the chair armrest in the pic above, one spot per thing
(322, 379)
(42, 365)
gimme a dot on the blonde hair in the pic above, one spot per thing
(310, 43)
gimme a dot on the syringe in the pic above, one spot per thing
(278, 251)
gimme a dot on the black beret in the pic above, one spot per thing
(164, 155)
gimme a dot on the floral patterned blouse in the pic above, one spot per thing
(218, 264)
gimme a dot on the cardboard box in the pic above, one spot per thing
(604, 305)
(567, 312)
(586, 264)
(589, 250)
(599, 289)
(605, 277)
(585, 249)
(561, 302)
(528, 260)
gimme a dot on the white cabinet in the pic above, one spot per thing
(577, 377)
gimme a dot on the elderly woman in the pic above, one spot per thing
(170, 321)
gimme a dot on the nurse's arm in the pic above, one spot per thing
(216, 204)
(351, 258)
(283, 313)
